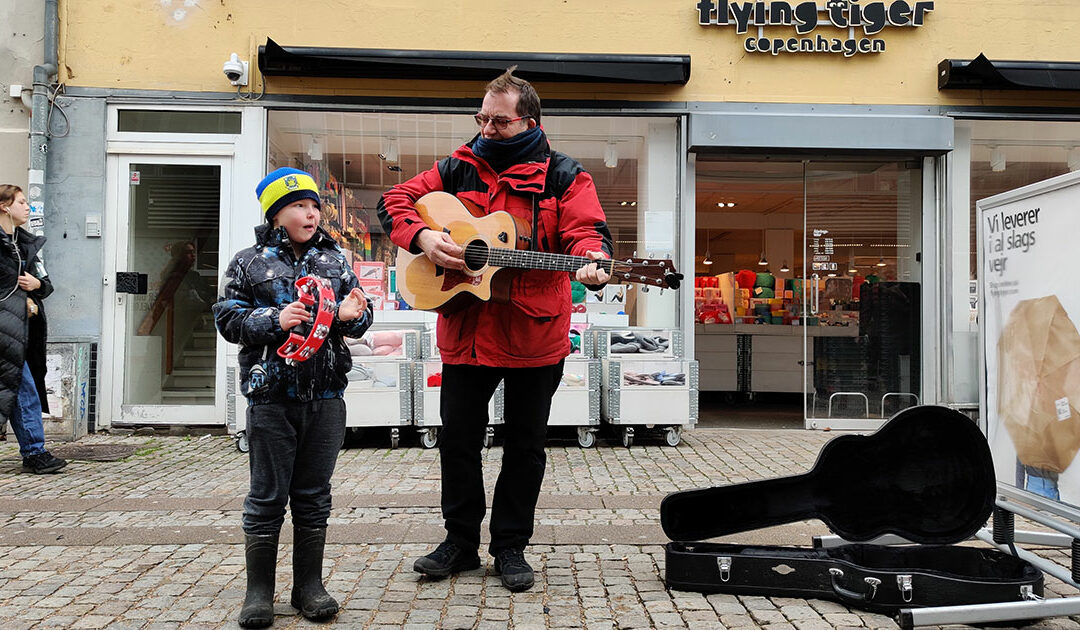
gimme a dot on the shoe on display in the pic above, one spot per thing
(515, 572)
(446, 559)
(43, 463)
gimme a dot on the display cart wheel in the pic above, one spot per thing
(242, 444)
(429, 438)
(395, 437)
(585, 437)
(489, 437)
(627, 436)
(672, 436)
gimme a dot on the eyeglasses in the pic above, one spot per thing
(500, 123)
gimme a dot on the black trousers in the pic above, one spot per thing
(466, 390)
(294, 448)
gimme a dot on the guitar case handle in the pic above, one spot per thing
(317, 293)
(848, 595)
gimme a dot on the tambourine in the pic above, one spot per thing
(301, 348)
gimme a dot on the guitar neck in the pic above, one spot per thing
(525, 259)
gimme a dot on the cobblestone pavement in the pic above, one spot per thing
(153, 541)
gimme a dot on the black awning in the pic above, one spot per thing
(370, 63)
(982, 74)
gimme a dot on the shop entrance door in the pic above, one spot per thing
(862, 291)
(161, 281)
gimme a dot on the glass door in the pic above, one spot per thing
(862, 291)
(164, 353)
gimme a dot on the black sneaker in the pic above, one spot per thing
(42, 463)
(446, 559)
(516, 574)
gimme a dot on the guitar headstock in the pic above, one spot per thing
(659, 273)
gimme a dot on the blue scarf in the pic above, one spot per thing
(502, 154)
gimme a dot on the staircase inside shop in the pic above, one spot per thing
(191, 381)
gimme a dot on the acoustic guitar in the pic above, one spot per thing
(495, 246)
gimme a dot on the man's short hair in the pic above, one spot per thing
(528, 99)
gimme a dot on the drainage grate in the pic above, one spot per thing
(93, 452)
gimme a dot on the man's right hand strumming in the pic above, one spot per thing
(441, 249)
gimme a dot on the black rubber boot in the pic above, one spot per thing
(261, 555)
(308, 593)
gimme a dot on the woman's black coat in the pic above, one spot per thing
(22, 338)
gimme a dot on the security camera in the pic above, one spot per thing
(236, 71)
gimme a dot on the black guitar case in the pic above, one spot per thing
(926, 475)
(870, 577)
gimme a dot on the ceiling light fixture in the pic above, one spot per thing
(764, 262)
(997, 159)
(315, 151)
(881, 261)
(708, 238)
(390, 151)
(611, 155)
(1072, 157)
(784, 268)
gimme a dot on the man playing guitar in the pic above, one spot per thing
(508, 166)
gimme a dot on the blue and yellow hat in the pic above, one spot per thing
(284, 186)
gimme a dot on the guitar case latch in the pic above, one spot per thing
(724, 564)
(904, 583)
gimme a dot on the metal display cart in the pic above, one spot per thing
(379, 393)
(426, 415)
(651, 388)
(576, 402)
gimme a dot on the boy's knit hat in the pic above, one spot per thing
(284, 186)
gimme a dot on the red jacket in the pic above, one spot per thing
(532, 329)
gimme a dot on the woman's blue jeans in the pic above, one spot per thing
(26, 420)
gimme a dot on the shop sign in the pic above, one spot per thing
(871, 17)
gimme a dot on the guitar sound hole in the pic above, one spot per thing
(476, 254)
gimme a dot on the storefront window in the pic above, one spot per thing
(991, 157)
(808, 282)
(356, 157)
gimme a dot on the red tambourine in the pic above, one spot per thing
(299, 347)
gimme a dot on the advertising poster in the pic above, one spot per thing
(1029, 277)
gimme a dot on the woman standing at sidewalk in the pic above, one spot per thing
(23, 286)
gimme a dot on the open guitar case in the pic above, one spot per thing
(926, 475)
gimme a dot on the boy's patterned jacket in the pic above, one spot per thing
(257, 285)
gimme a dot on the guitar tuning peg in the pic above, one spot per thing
(644, 289)
(634, 254)
(649, 255)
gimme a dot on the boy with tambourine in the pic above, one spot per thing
(295, 414)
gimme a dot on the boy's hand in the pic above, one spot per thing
(28, 282)
(293, 314)
(354, 304)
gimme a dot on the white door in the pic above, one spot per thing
(162, 268)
